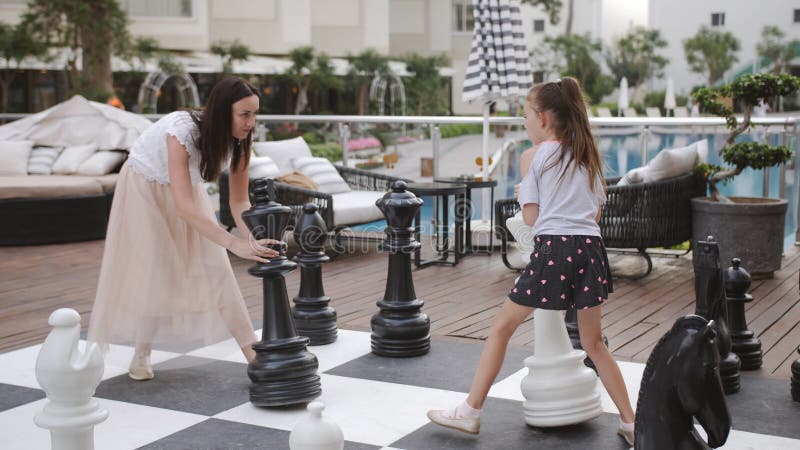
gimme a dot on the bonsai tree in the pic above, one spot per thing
(747, 91)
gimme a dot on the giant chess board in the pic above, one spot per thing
(199, 400)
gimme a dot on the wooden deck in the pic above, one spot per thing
(461, 301)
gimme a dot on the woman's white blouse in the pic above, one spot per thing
(148, 155)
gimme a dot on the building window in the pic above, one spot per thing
(717, 19)
(463, 20)
(160, 8)
(538, 26)
(797, 16)
(538, 76)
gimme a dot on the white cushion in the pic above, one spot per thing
(72, 157)
(671, 163)
(633, 176)
(101, 163)
(354, 207)
(14, 157)
(519, 255)
(41, 160)
(702, 151)
(283, 152)
(263, 167)
(322, 172)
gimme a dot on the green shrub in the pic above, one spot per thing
(330, 151)
(312, 137)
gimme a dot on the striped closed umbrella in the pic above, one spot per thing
(498, 66)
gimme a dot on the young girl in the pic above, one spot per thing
(165, 276)
(561, 197)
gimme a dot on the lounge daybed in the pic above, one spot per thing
(637, 214)
(57, 171)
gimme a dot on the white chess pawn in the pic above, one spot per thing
(316, 432)
(69, 377)
(559, 389)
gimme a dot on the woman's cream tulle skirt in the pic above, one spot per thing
(162, 282)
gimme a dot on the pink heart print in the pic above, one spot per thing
(569, 258)
(535, 255)
(586, 289)
(514, 291)
(544, 299)
(599, 278)
(538, 239)
(592, 260)
(563, 238)
(563, 278)
(563, 296)
(548, 242)
(544, 281)
(550, 263)
(588, 241)
(531, 272)
(580, 251)
(580, 271)
(528, 292)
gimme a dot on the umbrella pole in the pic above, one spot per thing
(485, 155)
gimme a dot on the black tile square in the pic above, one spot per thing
(765, 406)
(503, 427)
(224, 434)
(187, 383)
(449, 365)
(12, 396)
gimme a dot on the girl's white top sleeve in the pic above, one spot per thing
(529, 188)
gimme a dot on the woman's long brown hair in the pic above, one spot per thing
(565, 101)
(216, 142)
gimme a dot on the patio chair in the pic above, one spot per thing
(652, 111)
(603, 111)
(629, 112)
(636, 216)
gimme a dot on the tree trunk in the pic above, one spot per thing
(570, 10)
(96, 57)
(362, 99)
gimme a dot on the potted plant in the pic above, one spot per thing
(749, 228)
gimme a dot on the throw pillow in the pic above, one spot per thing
(42, 159)
(101, 163)
(72, 157)
(283, 152)
(298, 179)
(263, 167)
(322, 172)
(14, 157)
(671, 163)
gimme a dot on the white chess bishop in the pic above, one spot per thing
(316, 432)
(69, 377)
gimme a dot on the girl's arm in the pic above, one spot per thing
(530, 212)
(180, 184)
(239, 200)
(525, 161)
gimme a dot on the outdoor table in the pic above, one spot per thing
(471, 183)
(441, 192)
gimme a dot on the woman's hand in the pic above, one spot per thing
(254, 250)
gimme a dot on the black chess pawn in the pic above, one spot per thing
(796, 379)
(283, 371)
(743, 341)
(312, 314)
(400, 328)
(710, 304)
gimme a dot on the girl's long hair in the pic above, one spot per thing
(565, 101)
(216, 142)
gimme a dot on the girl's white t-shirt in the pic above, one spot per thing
(148, 155)
(566, 206)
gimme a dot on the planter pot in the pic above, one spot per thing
(750, 228)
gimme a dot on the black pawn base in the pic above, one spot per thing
(283, 373)
(748, 348)
(796, 379)
(729, 372)
(400, 330)
(315, 320)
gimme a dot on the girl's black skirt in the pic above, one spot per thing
(565, 271)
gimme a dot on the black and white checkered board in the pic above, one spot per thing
(199, 400)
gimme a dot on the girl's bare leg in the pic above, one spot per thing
(607, 368)
(509, 318)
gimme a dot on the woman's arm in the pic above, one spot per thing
(239, 199)
(180, 184)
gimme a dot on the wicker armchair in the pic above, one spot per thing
(638, 216)
(296, 197)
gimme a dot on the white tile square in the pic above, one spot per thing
(370, 412)
(128, 426)
(19, 366)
